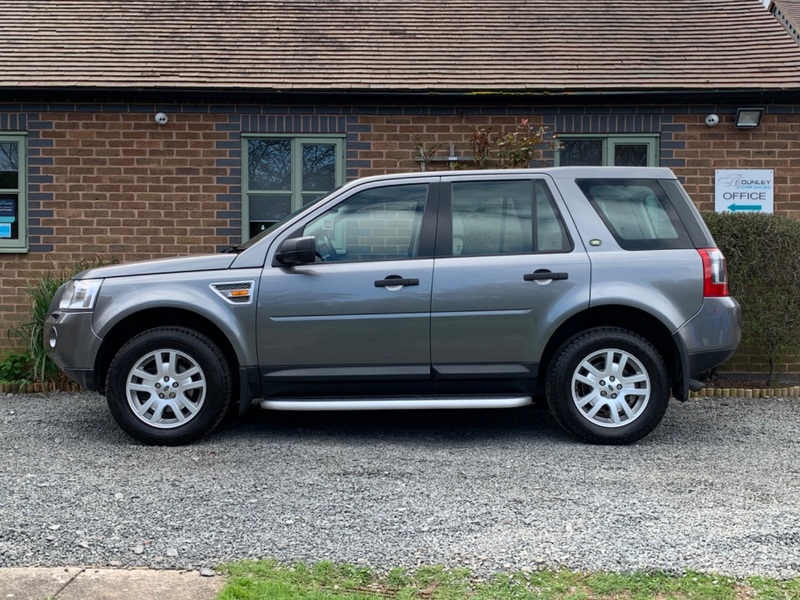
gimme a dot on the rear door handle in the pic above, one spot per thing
(393, 280)
(544, 274)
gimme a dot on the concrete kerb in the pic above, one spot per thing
(86, 583)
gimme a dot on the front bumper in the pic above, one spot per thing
(72, 344)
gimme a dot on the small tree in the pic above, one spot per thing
(509, 150)
(501, 150)
(763, 254)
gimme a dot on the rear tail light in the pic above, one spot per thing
(715, 273)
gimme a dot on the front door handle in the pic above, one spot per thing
(396, 280)
(544, 274)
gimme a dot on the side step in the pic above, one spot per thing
(395, 403)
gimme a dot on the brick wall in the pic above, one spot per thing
(388, 143)
(121, 185)
(693, 150)
(750, 362)
(111, 184)
(775, 144)
(106, 181)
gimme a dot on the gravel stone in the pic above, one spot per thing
(716, 488)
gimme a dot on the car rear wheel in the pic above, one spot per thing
(168, 386)
(608, 386)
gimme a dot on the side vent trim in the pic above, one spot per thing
(235, 292)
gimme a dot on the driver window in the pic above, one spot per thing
(376, 224)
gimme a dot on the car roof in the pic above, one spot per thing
(554, 172)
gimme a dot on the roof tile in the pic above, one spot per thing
(397, 45)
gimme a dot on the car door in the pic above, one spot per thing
(507, 273)
(361, 313)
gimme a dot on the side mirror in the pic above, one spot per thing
(297, 251)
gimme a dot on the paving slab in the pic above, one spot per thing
(106, 584)
(34, 583)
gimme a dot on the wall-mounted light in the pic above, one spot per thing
(748, 117)
(161, 118)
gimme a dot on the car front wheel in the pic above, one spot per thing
(608, 386)
(168, 386)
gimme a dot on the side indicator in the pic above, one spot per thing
(235, 292)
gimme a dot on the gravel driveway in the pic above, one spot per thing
(715, 488)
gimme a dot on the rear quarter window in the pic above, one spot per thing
(637, 212)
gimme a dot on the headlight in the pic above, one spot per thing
(80, 294)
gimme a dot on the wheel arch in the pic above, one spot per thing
(624, 317)
(139, 322)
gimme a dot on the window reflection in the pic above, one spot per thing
(319, 167)
(581, 153)
(270, 164)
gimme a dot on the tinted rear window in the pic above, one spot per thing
(637, 212)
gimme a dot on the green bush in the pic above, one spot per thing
(41, 292)
(763, 253)
(16, 368)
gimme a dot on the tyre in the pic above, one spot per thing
(608, 386)
(168, 386)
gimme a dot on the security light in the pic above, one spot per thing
(748, 117)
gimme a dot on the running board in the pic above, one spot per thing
(396, 403)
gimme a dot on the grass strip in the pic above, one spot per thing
(269, 580)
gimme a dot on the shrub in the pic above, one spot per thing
(15, 368)
(41, 292)
(502, 150)
(508, 150)
(763, 253)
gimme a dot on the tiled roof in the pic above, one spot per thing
(788, 12)
(553, 46)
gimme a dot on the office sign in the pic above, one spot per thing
(744, 190)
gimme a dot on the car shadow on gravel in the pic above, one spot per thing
(531, 422)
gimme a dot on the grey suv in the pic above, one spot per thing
(598, 288)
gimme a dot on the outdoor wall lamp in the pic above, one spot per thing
(748, 117)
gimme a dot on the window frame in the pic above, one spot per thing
(296, 191)
(20, 243)
(612, 140)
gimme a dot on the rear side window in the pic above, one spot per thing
(637, 212)
(505, 217)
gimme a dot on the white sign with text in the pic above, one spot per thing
(744, 190)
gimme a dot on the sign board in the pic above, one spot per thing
(8, 210)
(744, 190)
